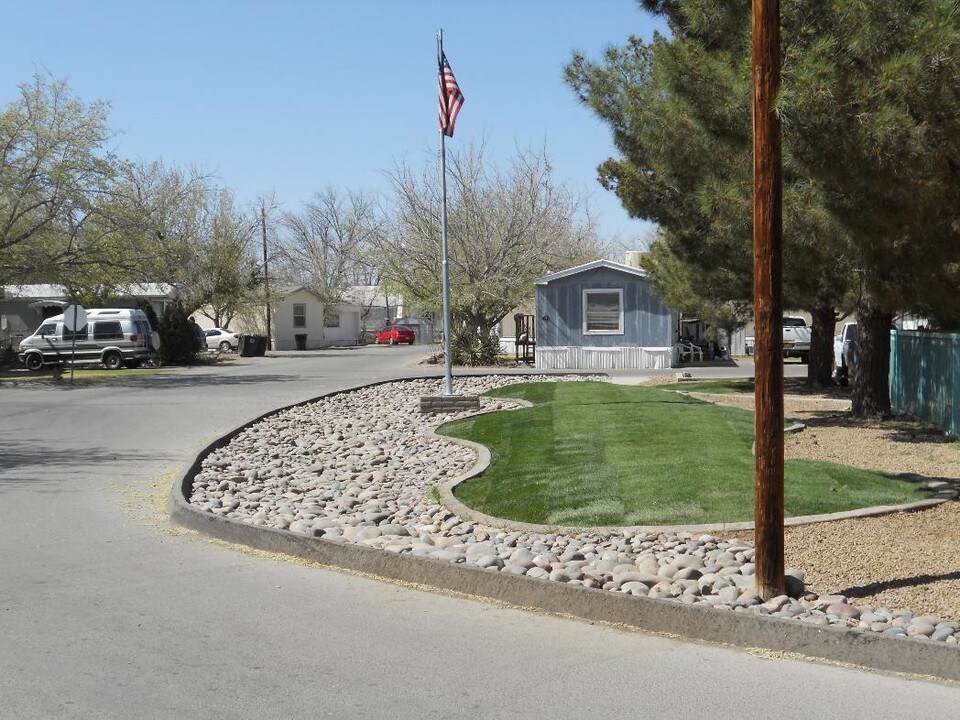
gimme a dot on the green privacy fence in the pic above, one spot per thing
(925, 376)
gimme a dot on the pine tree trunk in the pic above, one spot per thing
(871, 383)
(820, 367)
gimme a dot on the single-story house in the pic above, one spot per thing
(298, 321)
(602, 315)
(24, 307)
(364, 309)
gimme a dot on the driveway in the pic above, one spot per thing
(107, 611)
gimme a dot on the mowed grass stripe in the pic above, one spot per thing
(593, 453)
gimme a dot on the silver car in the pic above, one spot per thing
(222, 339)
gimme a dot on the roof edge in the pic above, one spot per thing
(609, 264)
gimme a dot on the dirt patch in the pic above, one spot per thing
(908, 560)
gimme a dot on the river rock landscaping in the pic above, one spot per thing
(360, 467)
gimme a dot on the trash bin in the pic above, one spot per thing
(261, 345)
(301, 341)
(248, 345)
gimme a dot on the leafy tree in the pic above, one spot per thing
(124, 237)
(225, 277)
(688, 292)
(163, 213)
(175, 226)
(506, 229)
(72, 213)
(54, 168)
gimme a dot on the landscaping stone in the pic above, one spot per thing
(358, 466)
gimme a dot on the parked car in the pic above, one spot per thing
(222, 339)
(844, 354)
(113, 337)
(394, 334)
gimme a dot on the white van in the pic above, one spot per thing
(112, 336)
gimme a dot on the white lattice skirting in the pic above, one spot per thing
(597, 358)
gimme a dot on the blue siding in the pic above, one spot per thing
(647, 322)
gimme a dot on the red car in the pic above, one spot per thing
(394, 334)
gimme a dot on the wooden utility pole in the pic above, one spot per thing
(767, 300)
(266, 276)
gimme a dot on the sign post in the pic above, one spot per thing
(74, 318)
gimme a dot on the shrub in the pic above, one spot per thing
(471, 347)
(151, 313)
(8, 356)
(178, 344)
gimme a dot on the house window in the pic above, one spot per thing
(299, 315)
(603, 312)
(331, 319)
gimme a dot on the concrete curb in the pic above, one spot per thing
(920, 657)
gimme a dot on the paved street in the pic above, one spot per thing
(107, 611)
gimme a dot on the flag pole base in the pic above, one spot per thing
(432, 404)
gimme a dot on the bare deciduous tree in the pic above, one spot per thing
(506, 229)
(327, 246)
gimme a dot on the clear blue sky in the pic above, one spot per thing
(292, 96)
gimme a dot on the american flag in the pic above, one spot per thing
(451, 99)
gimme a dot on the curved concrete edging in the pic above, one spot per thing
(655, 615)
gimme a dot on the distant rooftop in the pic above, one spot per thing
(369, 296)
(59, 292)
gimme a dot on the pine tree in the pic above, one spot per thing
(680, 112)
(870, 155)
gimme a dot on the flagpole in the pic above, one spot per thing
(445, 273)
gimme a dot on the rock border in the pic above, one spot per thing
(838, 644)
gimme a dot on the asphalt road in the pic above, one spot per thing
(107, 611)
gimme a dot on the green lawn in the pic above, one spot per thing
(595, 453)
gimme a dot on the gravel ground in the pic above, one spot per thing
(904, 560)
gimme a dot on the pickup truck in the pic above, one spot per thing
(796, 338)
(844, 353)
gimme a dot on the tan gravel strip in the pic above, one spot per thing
(908, 560)
(905, 560)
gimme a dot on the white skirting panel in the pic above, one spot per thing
(602, 358)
